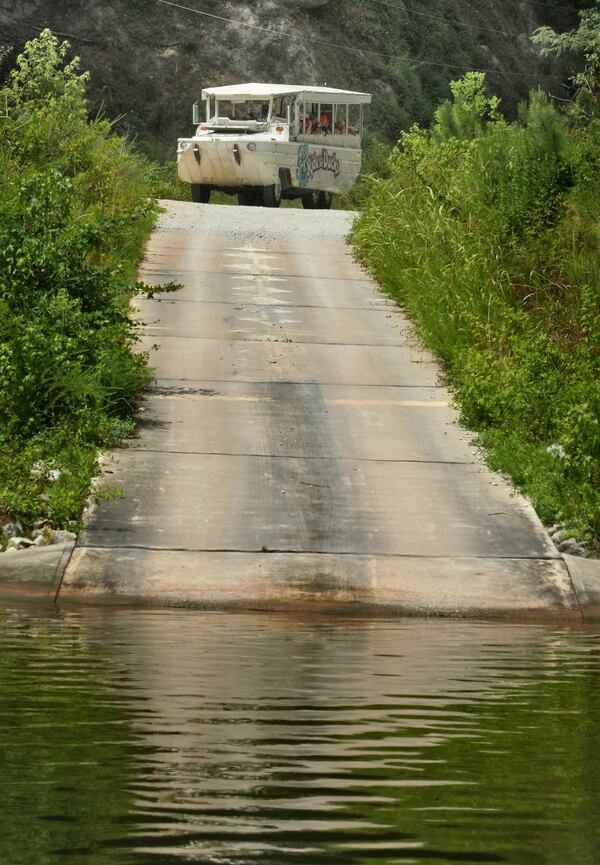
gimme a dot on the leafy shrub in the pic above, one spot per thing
(76, 206)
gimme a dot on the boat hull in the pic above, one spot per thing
(237, 163)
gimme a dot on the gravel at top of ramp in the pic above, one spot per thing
(221, 220)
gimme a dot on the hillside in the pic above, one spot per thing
(149, 59)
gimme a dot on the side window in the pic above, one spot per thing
(354, 120)
(308, 117)
(340, 119)
(326, 119)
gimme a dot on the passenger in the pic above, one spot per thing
(340, 127)
(325, 127)
(308, 124)
(316, 130)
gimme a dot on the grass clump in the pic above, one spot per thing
(76, 207)
(487, 233)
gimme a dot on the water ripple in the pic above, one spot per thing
(131, 736)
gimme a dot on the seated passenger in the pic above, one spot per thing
(316, 129)
(340, 127)
(325, 127)
(308, 124)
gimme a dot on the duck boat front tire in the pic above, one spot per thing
(272, 195)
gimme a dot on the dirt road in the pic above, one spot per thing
(297, 448)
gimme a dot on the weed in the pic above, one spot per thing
(486, 232)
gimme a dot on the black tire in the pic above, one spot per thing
(200, 193)
(324, 200)
(271, 196)
(246, 197)
(310, 200)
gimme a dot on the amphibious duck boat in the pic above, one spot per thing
(265, 142)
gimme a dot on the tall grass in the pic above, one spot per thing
(487, 233)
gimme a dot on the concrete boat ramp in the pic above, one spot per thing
(297, 450)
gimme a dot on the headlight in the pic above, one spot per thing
(183, 145)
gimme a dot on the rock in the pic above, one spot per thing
(19, 543)
(573, 547)
(12, 529)
(568, 545)
(62, 537)
(10, 550)
(554, 529)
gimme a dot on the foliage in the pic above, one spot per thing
(487, 233)
(583, 42)
(375, 163)
(470, 108)
(75, 208)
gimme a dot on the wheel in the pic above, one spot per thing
(200, 193)
(324, 200)
(272, 195)
(310, 200)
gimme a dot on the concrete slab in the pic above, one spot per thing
(34, 573)
(295, 257)
(228, 360)
(247, 288)
(272, 322)
(248, 503)
(346, 585)
(585, 575)
(292, 259)
(303, 421)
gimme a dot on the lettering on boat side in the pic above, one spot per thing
(311, 161)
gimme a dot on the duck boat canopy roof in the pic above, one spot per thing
(306, 92)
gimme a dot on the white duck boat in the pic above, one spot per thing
(265, 142)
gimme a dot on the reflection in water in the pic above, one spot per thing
(135, 736)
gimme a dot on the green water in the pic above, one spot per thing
(130, 736)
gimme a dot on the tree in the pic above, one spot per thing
(468, 111)
(584, 42)
(43, 75)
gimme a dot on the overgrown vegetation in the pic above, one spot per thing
(75, 209)
(488, 233)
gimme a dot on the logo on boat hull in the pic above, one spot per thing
(311, 161)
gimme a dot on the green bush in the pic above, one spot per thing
(76, 205)
(487, 232)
